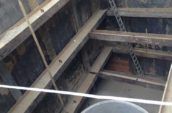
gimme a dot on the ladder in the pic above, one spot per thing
(122, 28)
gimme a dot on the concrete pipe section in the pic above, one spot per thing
(114, 107)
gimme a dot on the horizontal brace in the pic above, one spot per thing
(148, 53)
(145, 80)
(143, 12)
(132, 37)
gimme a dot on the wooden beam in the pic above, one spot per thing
(13, 37)
(149, 53)
(144, 12)
(131, 37)
(59, 64)
(152, 81)
(167, 97)
(75, 102)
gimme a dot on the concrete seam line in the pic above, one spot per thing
(103, 97)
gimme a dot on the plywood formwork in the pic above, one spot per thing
(143, 12)
(59, 64)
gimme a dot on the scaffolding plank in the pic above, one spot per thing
(59, 64)
(75, 102)
(143, 12)
(167, 97)
(14, 36)
(132, 37)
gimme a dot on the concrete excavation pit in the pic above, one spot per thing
(85, 46)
